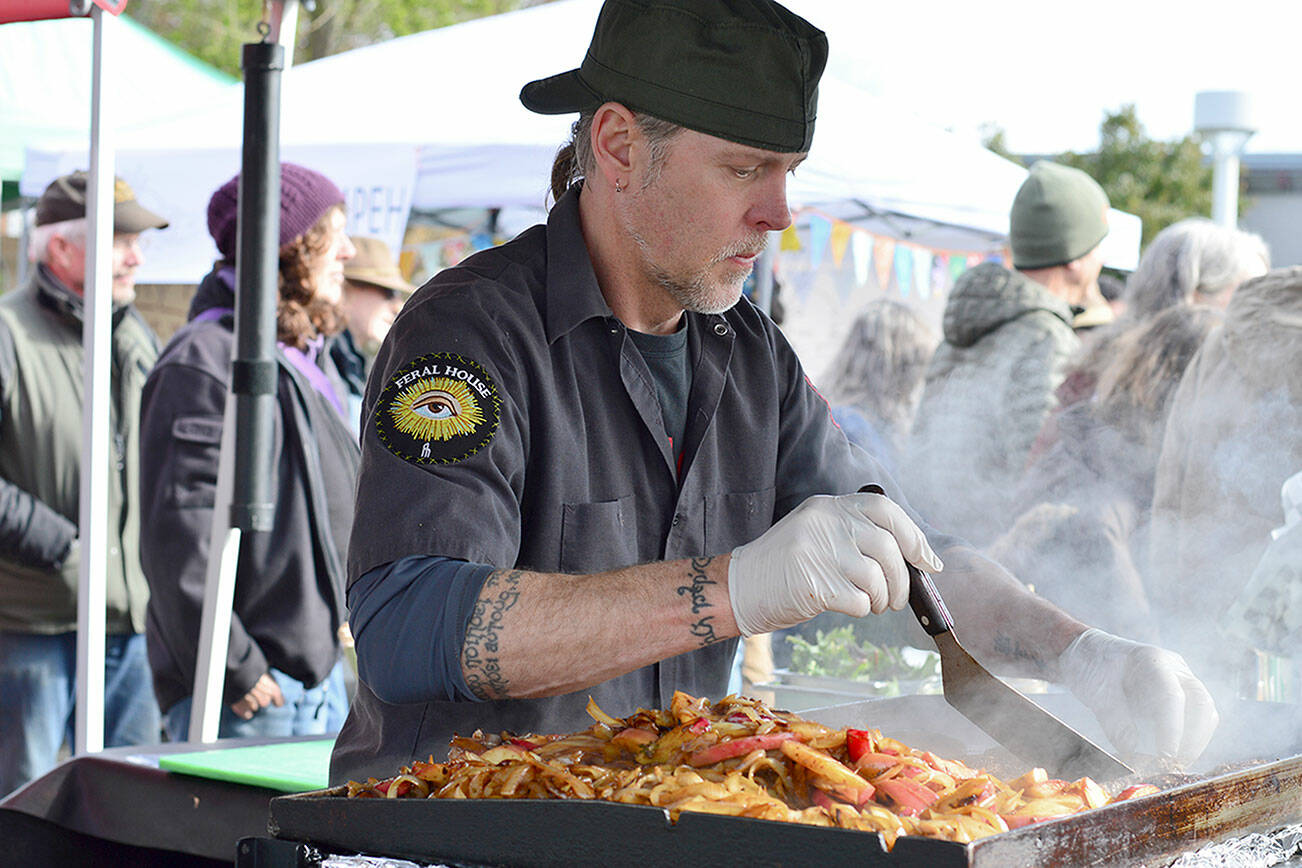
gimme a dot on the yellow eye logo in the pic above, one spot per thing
(436, 408)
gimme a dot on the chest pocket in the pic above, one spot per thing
(195, 456)
(598, 536)
(737, 517)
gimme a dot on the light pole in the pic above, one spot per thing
(1225, 120)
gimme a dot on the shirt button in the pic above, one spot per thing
(720, 329)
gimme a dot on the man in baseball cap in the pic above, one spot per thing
(605, 464)
(60, 239)
(41, 400)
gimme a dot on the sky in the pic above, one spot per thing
(1048, 72)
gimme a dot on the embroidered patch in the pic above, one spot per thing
(440, 408)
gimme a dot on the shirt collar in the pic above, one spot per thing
(572, 293)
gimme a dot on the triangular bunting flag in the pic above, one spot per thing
(861, 248)
(820, 232)
(903, 270)
(939, 274)
(841, 233)
(922, 272)
(883, 256)
(789, 240)
(957, 265)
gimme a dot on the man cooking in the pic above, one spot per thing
(587, 468)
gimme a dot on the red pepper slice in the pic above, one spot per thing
(858, 742)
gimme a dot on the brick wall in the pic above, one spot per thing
(164, 306)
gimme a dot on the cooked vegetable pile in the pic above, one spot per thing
(742, 758)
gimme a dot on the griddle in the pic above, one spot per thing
(1148, 831)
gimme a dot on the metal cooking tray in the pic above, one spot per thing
(1147, 831)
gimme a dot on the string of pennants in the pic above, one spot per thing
(902, 267)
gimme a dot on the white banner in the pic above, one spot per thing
(377, 182)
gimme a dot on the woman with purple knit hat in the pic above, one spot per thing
(284, 674)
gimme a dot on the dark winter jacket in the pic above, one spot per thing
(41, 399)
(990, 387)
(289, 582)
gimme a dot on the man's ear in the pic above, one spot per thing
(61, 251)
(614, 131)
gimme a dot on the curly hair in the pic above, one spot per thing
(300, 314)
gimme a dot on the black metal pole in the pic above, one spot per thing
(253, 371)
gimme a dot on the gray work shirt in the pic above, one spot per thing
(511, 421)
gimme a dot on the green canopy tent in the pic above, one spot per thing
(45, 81)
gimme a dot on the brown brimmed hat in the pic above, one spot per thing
(373, 265)
(742, 70)
(65, 199)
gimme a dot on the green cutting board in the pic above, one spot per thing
(290, 767)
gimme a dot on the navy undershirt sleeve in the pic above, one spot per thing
(409, 620)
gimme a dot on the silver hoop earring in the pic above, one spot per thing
(618, 187)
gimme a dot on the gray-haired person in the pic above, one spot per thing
(1194, 261)
(875, 381)
(41, 398)
(588, 468)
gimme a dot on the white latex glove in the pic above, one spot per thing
(840, 554)
(1145, 697)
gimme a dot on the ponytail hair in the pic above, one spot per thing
(575, 160)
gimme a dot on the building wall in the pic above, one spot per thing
(164, 306)
(1273, 184)
(1277, 217)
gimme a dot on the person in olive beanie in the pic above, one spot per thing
(1008, 338)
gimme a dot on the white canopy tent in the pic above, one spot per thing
(450, 96)
(45, 82)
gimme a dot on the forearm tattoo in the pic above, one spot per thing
(697, 584)
(479, 652)
(1012, 647)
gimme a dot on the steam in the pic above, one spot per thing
(1150, 532)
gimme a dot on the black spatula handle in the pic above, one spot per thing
(924, 599)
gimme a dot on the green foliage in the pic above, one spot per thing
(837, 653)
(993, 138)
(214, 30)
(1161, 182)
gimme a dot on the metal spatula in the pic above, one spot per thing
(1007, 716)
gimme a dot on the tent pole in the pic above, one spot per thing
(284, 24)
(244, 500)
(97, 311)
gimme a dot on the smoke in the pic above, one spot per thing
(1154, 500)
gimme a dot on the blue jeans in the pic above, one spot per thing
(38, 690)
(307, 711)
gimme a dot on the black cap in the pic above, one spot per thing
(742, 70)
(65, 199)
